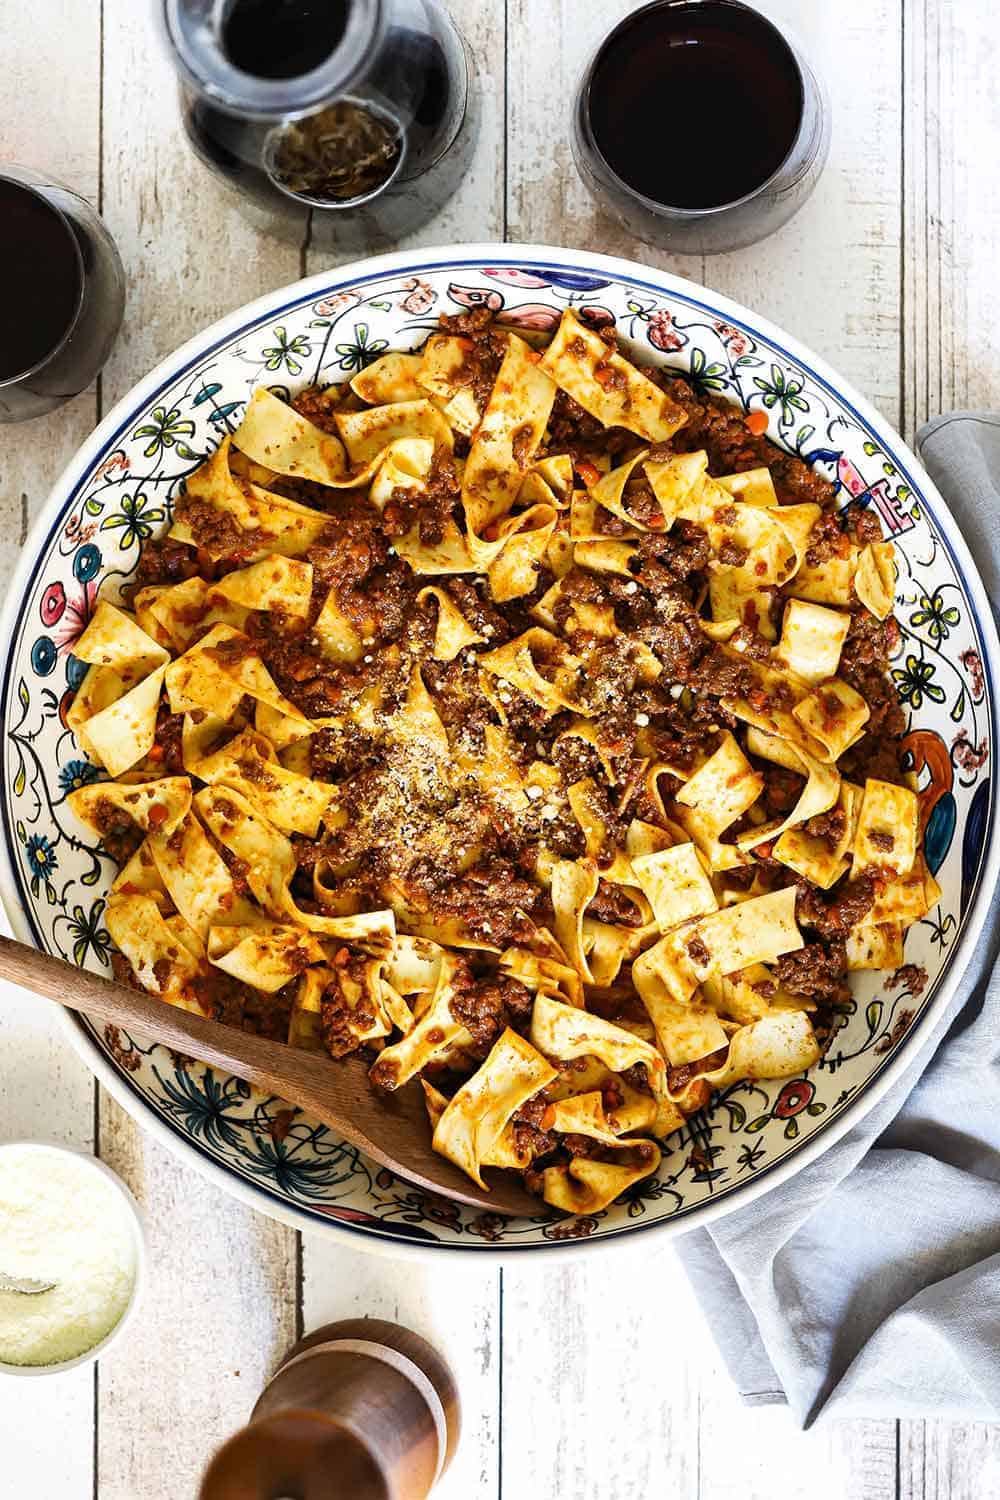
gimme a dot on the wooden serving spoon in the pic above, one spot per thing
(393, 1129)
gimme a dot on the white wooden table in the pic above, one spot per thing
(591, 1379)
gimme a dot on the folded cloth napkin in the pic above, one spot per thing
(870, 1283)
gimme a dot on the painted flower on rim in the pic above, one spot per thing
(784, 391)
(969, 756)
(165, 429)
(77, 531)
(972, 663)
(43, 863)
(117, 463)
(735, 341)
(489, 1227)
(938, 617)
(88, 934)
(749, 1157)
(661, 332)
(704, 376)
(419, 297)
(135, 520)
(571, 1229)
(915, 682)
(286, 352)
(329, 307)
(363, 351)
(475, 296)
(793, 1098)
(77, 773)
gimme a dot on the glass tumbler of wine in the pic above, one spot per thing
(64, 294)
(700, 126)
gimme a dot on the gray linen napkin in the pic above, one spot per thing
(870, 1284)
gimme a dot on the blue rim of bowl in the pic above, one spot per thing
(543, 258)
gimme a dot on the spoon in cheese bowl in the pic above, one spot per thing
(24, 1285)
(392, 1129)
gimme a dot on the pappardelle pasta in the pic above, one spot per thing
(522, 717)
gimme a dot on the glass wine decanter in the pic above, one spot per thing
(354, 120)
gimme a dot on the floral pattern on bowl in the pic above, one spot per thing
(121, 490)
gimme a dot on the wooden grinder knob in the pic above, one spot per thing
(359, 1410)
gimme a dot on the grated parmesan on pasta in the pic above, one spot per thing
(61, 1221)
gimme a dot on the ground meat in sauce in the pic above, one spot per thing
(680, 1078)
(816, 972)
(218, 533)
(167, 750)
(346, 1009)
(612, 904)
(834, 913)
(162, 561)
(830, 826)
(864, 665)
(486, 1007)
(319, 406)
(719, 428)
(120, 833)
(482, 875)
(483, 351)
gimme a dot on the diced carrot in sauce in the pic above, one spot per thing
(587, 473)
(157, 815)
(756, 421)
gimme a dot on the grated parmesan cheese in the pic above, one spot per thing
(61, 1221)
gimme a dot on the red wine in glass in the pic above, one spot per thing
(64, 294)
(699, 126)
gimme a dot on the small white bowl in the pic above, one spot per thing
(91, 1356)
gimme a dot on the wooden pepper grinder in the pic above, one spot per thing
(359, 1410)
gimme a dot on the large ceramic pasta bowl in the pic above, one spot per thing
(119, 490)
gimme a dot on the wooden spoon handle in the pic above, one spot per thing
(392, 1130)
(295, 1076)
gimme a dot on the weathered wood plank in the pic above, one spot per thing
(603, 1364)
(763, 1444)
(189, 254)
(220, 1310)
(951, 359)
(949, 1461)
(454, 1306)
(951, 301)
(222, 1297)
(49, 120)
(831, 276)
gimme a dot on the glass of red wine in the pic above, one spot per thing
(64, 294)
(699, 126)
